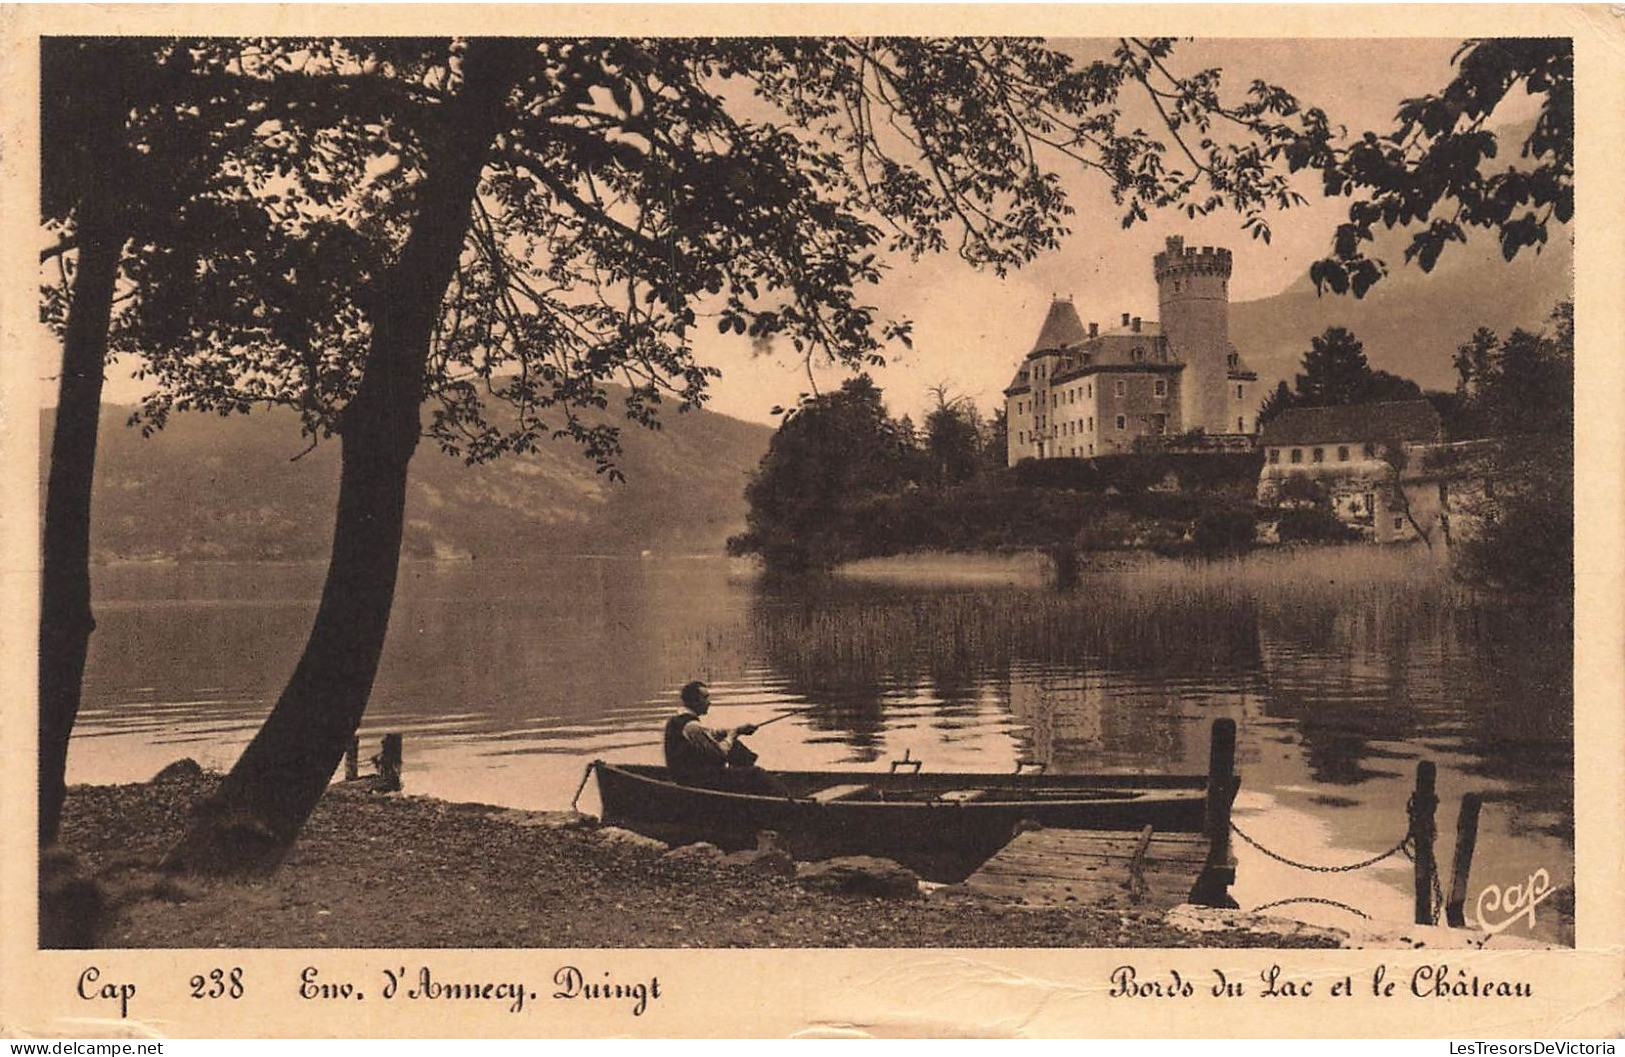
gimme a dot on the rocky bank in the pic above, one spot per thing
(404, 871)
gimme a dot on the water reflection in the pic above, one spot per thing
(506, 679)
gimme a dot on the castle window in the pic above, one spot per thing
(1021, 436)
(1399, 523)
(1138, 355)
(1160, 387)
(1241, 426)
(1233, 360)
(1318, 455)
(1159, 423)
(1343, 453)
(1275, 456)
(1091, 423)
(1122, 422)
(1091, 449)
(1238, 391)
(1176, 286)
(1122, 387)
(1370, 450)
(1090, 394)
(1297, 455)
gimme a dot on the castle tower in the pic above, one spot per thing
(1031, 426)
(1193, 299)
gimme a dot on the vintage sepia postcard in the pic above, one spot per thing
(570, 521)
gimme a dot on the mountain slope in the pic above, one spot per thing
(216, 488)
(1411, 322)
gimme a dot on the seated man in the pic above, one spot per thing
(699, 756)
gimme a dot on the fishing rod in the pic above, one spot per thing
(758, 726)
(782, 715)
(739, 754)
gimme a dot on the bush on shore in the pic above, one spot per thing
(1168, 504)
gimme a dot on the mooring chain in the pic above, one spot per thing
(1311, 867)
(1437, 905)
(1409, 847)
(1311, 899)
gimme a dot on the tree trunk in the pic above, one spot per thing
(66, 620)
(252, 820)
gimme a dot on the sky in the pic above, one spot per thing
(971, 329)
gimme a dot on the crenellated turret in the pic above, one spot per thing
(1177, 262)
(1193, 297)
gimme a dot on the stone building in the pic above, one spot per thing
(1087, 392)
(1371, 462)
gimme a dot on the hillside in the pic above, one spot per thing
(1411, 322)
(211, 488)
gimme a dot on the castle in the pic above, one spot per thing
(1082, 393)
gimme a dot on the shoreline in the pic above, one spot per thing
(415, 872)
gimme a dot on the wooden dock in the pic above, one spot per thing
(1114, 868)
(1059, 867)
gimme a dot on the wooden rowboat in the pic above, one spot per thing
(897, 814)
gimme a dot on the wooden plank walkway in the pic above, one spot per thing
(1058, 867)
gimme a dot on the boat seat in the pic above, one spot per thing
(960, 796)
(836, 792)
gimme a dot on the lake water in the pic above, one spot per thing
(507, 680)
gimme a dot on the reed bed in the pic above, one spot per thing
(1136, 613)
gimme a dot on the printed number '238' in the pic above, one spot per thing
(218, 984)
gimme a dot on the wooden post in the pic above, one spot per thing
(1212, 888)
(1136, 866)
(388, 762)
(1424, 804)
(352, 760)
(1466, 841)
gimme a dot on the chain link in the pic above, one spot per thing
(1406, 846)
(1312, 868)
(1356, 911)
(1436, 904)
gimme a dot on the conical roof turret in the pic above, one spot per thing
(1062, 327)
